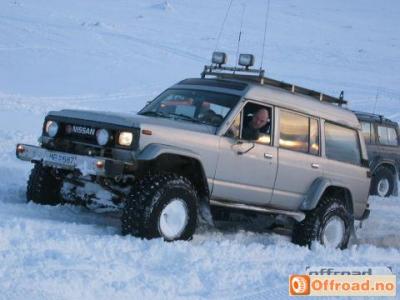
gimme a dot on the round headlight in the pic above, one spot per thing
(102, 136)
(51, 128)
(125, 138)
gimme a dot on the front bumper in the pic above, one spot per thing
(87, 165)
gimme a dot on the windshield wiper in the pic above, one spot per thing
(154, 114)
(186, 117)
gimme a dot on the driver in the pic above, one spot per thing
(252, 130)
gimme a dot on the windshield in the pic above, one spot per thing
(192, 105)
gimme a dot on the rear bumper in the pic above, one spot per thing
(87, 165)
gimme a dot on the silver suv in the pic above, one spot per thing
(232, 139)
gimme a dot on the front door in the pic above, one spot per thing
(247, 167)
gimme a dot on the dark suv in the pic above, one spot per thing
(382, 139)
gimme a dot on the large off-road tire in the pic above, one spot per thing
(43, 186)
(382, 183)
(161, 205)
(330, 224)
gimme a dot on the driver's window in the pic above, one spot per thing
(252, 124)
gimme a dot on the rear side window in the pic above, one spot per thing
(299, 133)
(367, 131)
(387, 135)
(342, 144)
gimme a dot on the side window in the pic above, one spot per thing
(383, 135)
(387, 135)
(252, 124)
(342, 144)
(299, 133)
(366, 130)
(392, 134)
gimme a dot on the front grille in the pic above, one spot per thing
(80, 138)
(75, 147)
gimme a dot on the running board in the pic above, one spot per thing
(298, 216)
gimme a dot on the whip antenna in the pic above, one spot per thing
(223, 24)
(376, 100)
(240, 34)
(265, 32)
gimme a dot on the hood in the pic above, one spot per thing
(130, 120)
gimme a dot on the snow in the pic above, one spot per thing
(115, 56)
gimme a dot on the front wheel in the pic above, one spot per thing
(43, 187)
(330, 224)
(161, 205)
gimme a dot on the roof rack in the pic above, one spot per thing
(258, 77)
(379, 117)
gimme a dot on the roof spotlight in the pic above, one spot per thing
(246, 60)
(219, 58)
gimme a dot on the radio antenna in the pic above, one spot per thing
(265, 32)
(376, 100)
(223, 24)
(240, 34)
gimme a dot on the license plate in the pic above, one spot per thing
(61, 159)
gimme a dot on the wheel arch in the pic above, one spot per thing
(181, 161)
(322, 187)
(391, 165)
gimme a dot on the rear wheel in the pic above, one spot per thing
(382, 183)
(161, 205)
(330, 224)
(43, 186)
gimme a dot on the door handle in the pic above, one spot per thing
(315, 166)
(267, 156)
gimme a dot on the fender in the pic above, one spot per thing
(316, 190)
(382, 162)
(152, 151)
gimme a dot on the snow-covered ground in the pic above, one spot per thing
(117, 54)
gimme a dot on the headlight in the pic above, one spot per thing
(102, 136)
(125, 138)
(51, 128)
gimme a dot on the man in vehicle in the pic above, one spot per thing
(251, 130)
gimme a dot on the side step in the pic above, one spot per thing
(298, 216)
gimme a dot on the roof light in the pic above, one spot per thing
(219, 58)
(246, 60)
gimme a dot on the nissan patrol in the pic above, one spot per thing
(185, 151)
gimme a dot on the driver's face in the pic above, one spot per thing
(260, 119)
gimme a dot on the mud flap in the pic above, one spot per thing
(204, 213)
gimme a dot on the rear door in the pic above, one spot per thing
(300, 162)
